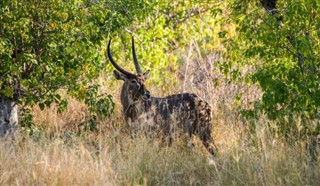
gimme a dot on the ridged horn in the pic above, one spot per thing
(123, 71)
(135, 60)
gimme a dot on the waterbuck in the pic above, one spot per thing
(166, 117)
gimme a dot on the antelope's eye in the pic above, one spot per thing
(134, 81)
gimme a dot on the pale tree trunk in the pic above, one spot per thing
(8, 116)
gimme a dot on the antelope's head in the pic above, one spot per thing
(133, 87)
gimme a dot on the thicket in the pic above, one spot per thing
(50, 49)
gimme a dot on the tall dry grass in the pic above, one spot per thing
(113, 158)
(57, 154)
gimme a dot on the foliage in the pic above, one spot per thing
(165, 33)
(50, 49)
(283, 47)
(47, 46)
(53, 45)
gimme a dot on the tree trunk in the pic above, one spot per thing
(8, 116)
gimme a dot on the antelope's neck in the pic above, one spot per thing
(135, 109)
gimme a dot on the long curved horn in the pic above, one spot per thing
(123, 71)
(135, 60)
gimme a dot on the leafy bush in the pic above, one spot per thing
(283, 47)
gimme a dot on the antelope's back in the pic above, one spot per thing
(181, 111)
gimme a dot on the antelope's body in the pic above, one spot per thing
(167, 117)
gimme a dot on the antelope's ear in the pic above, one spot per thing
(146, 74)
(119, 76)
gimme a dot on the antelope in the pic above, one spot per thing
(165, 117)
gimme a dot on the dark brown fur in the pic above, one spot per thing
(167, 117)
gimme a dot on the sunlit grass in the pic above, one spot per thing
(113, 158)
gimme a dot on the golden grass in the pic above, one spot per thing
(113, 158)
(33, 163)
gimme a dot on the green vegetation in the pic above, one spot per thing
(283, 48)
(47, 46)
(257, 64)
